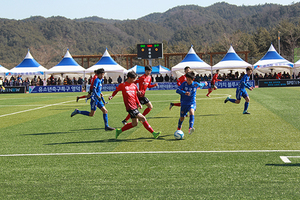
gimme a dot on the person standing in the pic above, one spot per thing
(213, 83)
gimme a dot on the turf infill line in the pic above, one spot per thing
(147, 152)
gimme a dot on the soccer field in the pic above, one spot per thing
(46, 154)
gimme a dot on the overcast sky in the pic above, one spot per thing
(108, 9)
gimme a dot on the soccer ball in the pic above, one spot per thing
(178, 134)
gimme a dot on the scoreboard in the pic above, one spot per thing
(150, 51)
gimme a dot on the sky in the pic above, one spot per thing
(108, 9)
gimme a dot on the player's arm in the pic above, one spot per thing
(180, 90)
(115, 92)
(202, 84)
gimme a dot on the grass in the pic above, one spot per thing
(228, 164)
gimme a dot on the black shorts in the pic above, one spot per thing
(133, 113)
(213, 86)
(144, 100)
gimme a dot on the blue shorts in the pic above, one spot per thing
(185, 109)
(95, 103)
(241, 93)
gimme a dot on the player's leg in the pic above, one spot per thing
(174, 104)
(148, 109)
(192, 119)
(127, 126)
(246, 105)
(183, 113)
(124, 122)
(84, 96)
(105, 117)
(238, 97)
(147, 126)
(87, 113)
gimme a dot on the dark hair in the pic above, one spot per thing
(187, 67)
(100, 71)
(217, 70)
(131, 74)
(248, 69)
(190, 74)
(148, 67)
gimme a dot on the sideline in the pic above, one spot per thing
(146, 152)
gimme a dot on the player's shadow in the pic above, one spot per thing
(285, 165)
(50, 133)
(209, 115)
(147, 139)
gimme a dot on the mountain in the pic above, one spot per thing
(210, 28)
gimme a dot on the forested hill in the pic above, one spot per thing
(209, 29)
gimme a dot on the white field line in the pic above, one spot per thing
(286, 159)
(35, 108)
(147, 152)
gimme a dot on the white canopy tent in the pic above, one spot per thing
(155, 69)
(193, 61)
(28, 67)
(272, 62)
(297, 67)
(3, 70)
(66, 66)
(231, 62)
(111, 67)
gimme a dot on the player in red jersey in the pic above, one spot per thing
(144, 83)
(180, 80)
(213, 83)
(91, 87)
(131, 101)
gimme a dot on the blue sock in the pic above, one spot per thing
(105, 118)
(87, 113)
(192, 119)
(246, 106)
(232, 100)
(179, 124)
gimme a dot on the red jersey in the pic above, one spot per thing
(181, 80)
(92, 81)
(144, 83)
(130, 98)
(215, 79)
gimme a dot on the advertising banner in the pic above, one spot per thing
(55, 88)
(14, 89)
(279, 83)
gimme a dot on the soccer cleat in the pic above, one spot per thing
(124, 122)
(246, 112)
(155, 134)
(171, 105)
(191, 130)
(118, 132)
(226, 100)
(108, 128)
(74, 112)
(207, 95)
(77, 99)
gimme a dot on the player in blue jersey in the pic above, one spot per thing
(188, 91)
(241, 91)
(97, 100)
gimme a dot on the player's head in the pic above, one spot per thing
(190, 77)
(187, 69)
(217, 71)
(249, 71)
(100, 72)
(131, 76)
(148, 69)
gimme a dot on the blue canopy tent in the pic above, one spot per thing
(231, 62)
(272, 62)
(67, 66)
(28, 67)
(193, 61)
(111, 67)
(155, 69)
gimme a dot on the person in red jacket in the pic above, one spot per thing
(91, 88)
(131, 101)
(180, 80)
(144, 83)
(213, 83)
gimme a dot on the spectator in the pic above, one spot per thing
(197, 78)
(156, 78)
(105, 80)
(44, 82)
(205, 77)
(110, 80)
(167, 78)
(161, 78)
(119, 79)
(74, 81)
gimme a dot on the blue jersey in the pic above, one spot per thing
(192, 89)
(97, 88)
(244, 83)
